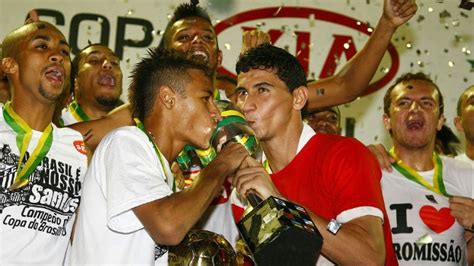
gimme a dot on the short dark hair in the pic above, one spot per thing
(387, 99)
(184, 10)
(161, 67)
(458, 108)
(269, 57)
(333, 109)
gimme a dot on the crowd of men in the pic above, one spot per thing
(84, 182)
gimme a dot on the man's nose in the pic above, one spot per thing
(57, 57)
(107, 64)
(414, 106)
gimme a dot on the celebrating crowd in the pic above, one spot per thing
(86, 179)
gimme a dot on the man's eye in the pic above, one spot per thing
(403, 103)
(183, 38)
(332, 118)
(208, 37)
(65, 52)
(427, 104)
(42, 46)
(240, 92)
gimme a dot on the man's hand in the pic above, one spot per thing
(383, 157)
(230, 158)
(462, 209)
(398, 12)
(253, 38)
(252, 178)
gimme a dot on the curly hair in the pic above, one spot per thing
(269, 57)
(185, 10)
(387, 99)
(161, 67)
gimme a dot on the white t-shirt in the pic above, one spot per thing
(418, 215)
(125, 173)
(463, 157)
(36, 220)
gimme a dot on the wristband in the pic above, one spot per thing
(333, 226)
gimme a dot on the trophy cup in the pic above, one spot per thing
(202, 248)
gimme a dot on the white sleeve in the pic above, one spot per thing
(134, 177)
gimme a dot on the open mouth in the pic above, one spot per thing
(54, 74)
(200, 53)
(106, 80)
(415, 124)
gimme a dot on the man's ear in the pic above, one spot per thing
(386, 122)
(167, 97)
(219, 58)
(441, 121)
(300, 97)
(9, 65)
(458, 123)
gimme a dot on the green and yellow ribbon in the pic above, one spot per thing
(266, 166)
(23, 138)
(411, 174)
(77, 112)
(162, 159)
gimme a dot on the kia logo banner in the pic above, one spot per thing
(341, 44)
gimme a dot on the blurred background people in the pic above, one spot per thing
(96, 81)
(327, 120)
(465, 122)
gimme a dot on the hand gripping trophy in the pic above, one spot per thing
(277, 232)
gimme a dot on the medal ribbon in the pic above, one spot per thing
(77, 112)
(266, 166)
(23, 137)
(411, 174)
(160, 156)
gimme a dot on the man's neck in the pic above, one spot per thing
(95, 111)
(36, 115)
(164, 138)
(420, 159)
(470, 150)
(281, 150)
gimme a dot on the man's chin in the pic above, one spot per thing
(50, 95)
(107, 101)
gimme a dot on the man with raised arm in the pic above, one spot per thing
(190, 29)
